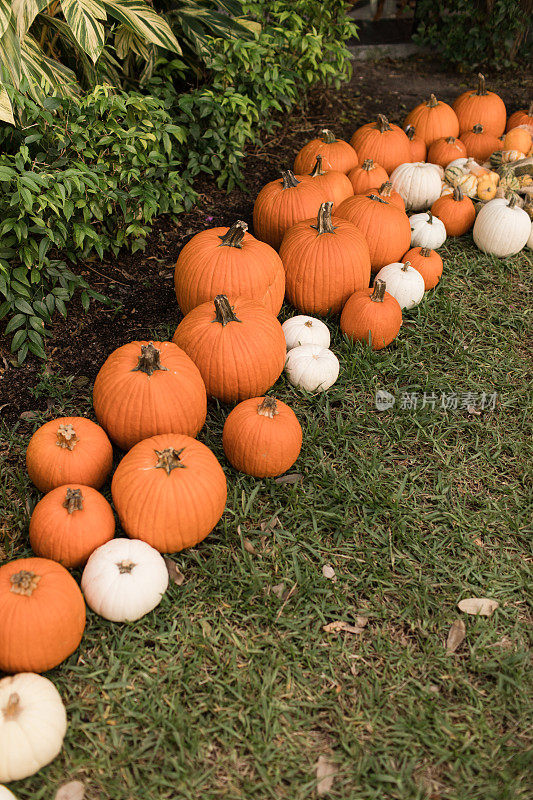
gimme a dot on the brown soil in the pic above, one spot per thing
(142, 283)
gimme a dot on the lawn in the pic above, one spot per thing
(231, 687)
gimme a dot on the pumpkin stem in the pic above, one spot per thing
(405, 266)
(386, 189)
(477, 128)
(377, 199)
(450, 140)
(73, 500)
(410, 132)
(481, 85)
(457, 193)
(268, 408)
(383, 124)
(66, 437)
(224, 311)
(24, 582)
(125, 567)
(169, 459)
(512, 199)
(530, 109)
(327, 136)
(12, 710)
(317, 169)
(432, 102)
(425, 251)
(379, 291)
(367, 164)
(288, 180)
(234, 235)
(324, 223)
(430, 217)
(149, 360)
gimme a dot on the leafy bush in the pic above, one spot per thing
(473, 33)
(87, 178)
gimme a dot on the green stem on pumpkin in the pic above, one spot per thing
(458, 194)
(234, 235)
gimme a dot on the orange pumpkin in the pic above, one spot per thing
(367, 175)
(69, 523)
(325, 261)
(144, 388)
(456, 211)
(238, 346)
(42, 615)
(373, 316)
(517, 139)
(170, 491)
(262, 437)
(69, 450)
(336, 186)
(383, 142)
(385, 227)
(427, 262)
(480, 144)
(483, 107)
(228, 260)
(445, 150)
(386, 192)
(336, 154)
(417, 145)
(522, 117)
(432, 120)
(282, 203)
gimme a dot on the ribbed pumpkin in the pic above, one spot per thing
(517, 139)
(262, 437)
(367, 175)
(373, 316)
(522, 117)
(69, 523)
(336, 154)
(382, 141)
(479, 143)
(237, 345)
(325, 261)
(445, 150)
(432, 120)
(386, 192)
(282, 203)
(427, 262)
(228, 260)
(145, 388)
(481, 106)
(169, 491)
(42, 615)
(336, 186)
(417, 145)
(385, 227)
(69, 450)
(456, 211)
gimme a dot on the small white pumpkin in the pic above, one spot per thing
(305, 330)
(404, 283)
(5, 794)
(427, 231)
(124, 579)
(33, 723)
(418, 184)
(312, 367)
(502, 228)
(529, 242)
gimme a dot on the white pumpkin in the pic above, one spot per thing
(459, 162)
(124, 579)
(419, 184)
(5, 794)
(502, 228)
(404, 282)
(427, 231)
(305, 330)
(33, 723)
(312, 367)
(529, 242)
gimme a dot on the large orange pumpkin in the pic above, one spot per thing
(144, 388)
(445, 150)
(282, 203)
(42, 615)
(456, 211)
(382, 141)
(432, 120)
(336, 186)
(367, 175)
(69, 450)
(522, 117)
(169, 491)
(228, 260)
(69, 523)
(417, 145)
(481, 106)
(325, 261)
(386, 192)
(262, 437)
(427, 262)
(479, 143)
(385, 227)
(238, 346)
(373, 316)
(336, 154)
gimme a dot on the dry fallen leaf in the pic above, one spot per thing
(279, 590)
(73, 790)
(248, 546)
(271, 524)
(173, 571)
(347, 627)
(328, 572)
(325, 773)
(29, 416)
(456, 636)
(483, 606)
(293, 477)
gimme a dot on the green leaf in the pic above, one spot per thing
(10, 57)
(84, 18)
(144, 21)
(15, 322)
(45, 75)
(23, 306)
(25, 12)
(17, 340)
(6, 109)
(5, 15)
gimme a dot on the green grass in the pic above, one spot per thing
(224, 692)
